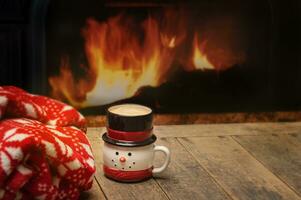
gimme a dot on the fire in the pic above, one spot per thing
(120, 62)
(200, 59)
(124, 55)
(67, 87)
(168, 42)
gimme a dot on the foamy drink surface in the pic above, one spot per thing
(130, 110)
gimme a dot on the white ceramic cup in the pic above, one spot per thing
(133, 163)
(129, 147)
(134, 158)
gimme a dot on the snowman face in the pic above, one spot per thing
(128, 158)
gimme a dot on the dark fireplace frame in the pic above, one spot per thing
(37, 43)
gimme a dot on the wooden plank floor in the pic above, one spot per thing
(225, 161)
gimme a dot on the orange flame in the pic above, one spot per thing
(123, 56)
(200, 59)
(119, 63)
(67, 87)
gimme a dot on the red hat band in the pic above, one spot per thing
(129, 136)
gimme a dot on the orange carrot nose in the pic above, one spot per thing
(122, 159)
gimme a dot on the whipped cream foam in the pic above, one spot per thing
(130, 110)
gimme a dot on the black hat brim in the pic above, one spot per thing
(148, 141)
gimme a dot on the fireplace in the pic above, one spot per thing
(175, 56)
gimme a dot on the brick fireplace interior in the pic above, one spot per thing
(182, 58)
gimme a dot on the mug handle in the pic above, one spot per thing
(166, 151)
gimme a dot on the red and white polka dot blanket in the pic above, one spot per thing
(44, 152)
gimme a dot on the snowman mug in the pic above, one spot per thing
(129, 148)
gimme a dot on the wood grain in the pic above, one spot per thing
(241, 176)
(204, 130)
(279, 153)
(114, 190)
(200, 130)
(185, 178)
(94, 193)
(210, 118)
(238, 161)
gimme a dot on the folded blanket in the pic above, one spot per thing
(44, 152)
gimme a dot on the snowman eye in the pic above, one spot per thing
(129, 154)
(117, 153)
